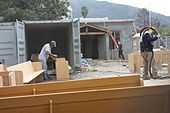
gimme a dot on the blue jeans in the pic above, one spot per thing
(44, 66)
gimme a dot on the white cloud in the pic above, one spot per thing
(160, 6)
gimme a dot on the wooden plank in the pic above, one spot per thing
(168, 102)
(37, 66)
(135, 60)
(131, 62)
(72, 85)
(27, 69)
(62, 71)
(153, 99)
(92, 33)
(37, 79)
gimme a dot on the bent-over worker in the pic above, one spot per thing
(45, 53)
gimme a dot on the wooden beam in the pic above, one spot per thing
(87, 30)
(95, 27)
(92, 33)
(135, 60)
(72, 85)
(28, 71)
(153, 99)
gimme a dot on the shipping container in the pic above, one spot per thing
(20, 40)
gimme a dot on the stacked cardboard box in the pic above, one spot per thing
(10, 78)
(62, 70)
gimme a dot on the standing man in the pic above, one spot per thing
(146, 47)
(113, 43)
(45, 54)
(121, 55)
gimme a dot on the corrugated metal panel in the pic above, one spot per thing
(168, 42)
(76, 43)
(8, 43)
(21, 45)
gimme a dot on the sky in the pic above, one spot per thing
(160, 6)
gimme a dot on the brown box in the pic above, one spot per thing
(2, 68)
(16, 78)
(4, 79)
(62, 71)
(11, 78)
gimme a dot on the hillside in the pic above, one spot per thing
(110, 10)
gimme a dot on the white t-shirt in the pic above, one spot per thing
(44, 52)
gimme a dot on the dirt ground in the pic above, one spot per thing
(109, 68)
(103, 68)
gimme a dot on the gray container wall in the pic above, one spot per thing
(168, 42)
(8, 44)
(76, 43)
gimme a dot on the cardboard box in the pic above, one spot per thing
(2, 68)
(135, 60)
(4, 79)
(62, 71)
(11, 78)
(16, 78)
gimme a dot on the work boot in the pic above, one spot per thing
(155, 76)
(146, 78)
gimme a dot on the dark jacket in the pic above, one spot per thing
(146, 44)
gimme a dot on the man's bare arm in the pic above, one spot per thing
(53, 56)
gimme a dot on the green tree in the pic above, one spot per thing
(11, 10)
(165, 30)
(84, 11)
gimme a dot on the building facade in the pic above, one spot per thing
(105, 49)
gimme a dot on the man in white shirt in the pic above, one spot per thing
(45, 54)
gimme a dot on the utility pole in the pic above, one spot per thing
(150, 13)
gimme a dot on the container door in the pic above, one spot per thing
(8, 52)
(76, 42)
(21, 45)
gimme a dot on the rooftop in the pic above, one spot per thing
(97, 20)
